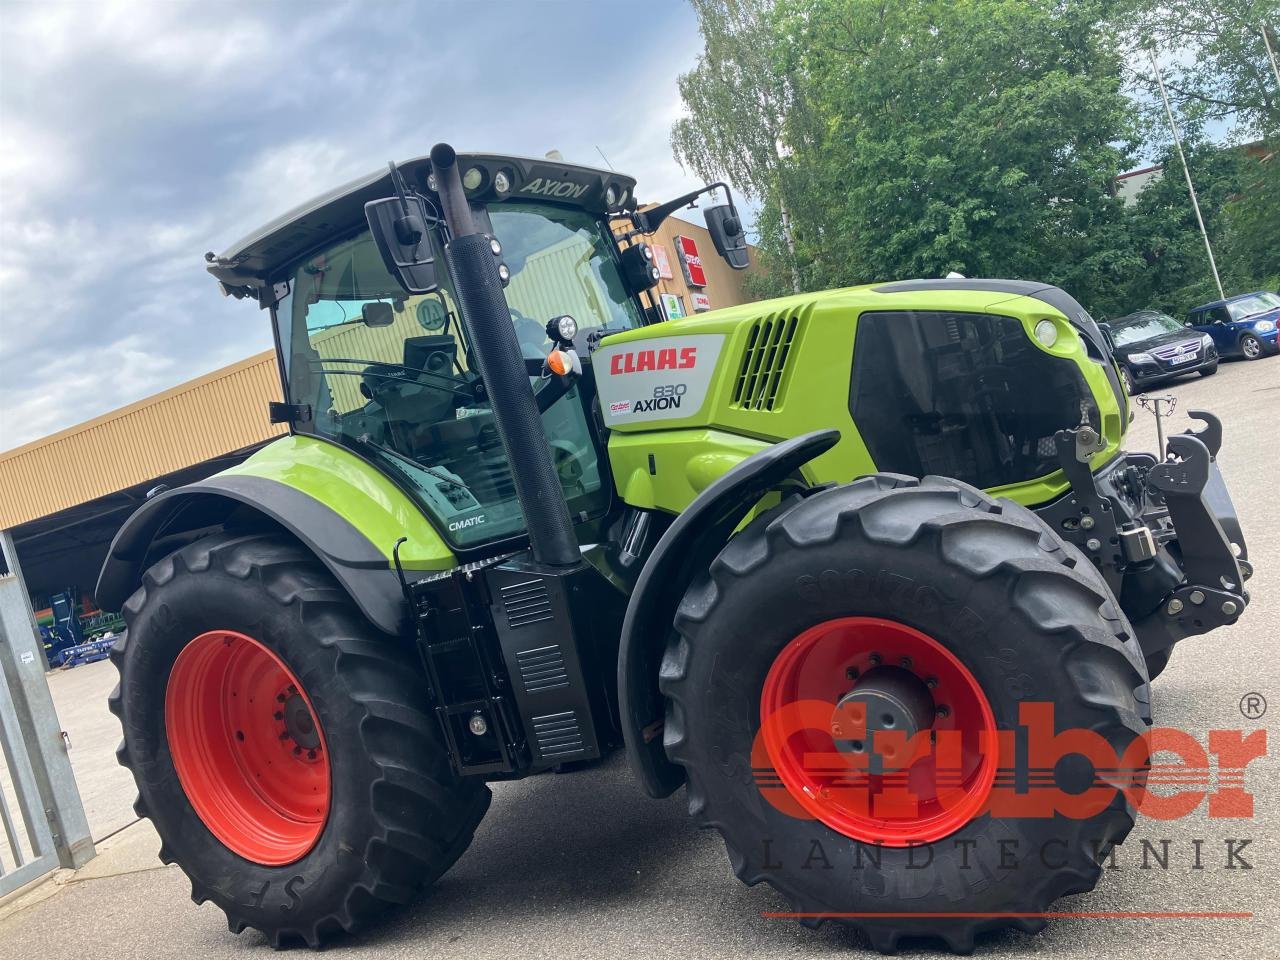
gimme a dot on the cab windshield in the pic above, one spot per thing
(392, 377)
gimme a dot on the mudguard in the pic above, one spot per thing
(350, 556)
(690, 544)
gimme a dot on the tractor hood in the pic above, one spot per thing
(251, 263)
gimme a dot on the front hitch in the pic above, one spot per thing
(1210, 545)
(1177, 517)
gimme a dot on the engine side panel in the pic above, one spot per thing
(768, 371)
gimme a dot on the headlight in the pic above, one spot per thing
(563, 329)
(1206, 341)
(1140, 358)
(1265, 326)
(1046, 333)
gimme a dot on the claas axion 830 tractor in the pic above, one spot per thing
(809, 558)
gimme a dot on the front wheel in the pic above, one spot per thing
(1250, 347)
(840, 634)
(1210, 370)
(283, 748)
(1127, 379)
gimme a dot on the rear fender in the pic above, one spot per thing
(361, 568)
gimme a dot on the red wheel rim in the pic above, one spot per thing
(247, 747)
(948, 781)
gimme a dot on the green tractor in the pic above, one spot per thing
(814, 559)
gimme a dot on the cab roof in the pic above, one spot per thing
(252, 261)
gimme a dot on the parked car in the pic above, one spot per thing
(1242, 326)
(1150, 346)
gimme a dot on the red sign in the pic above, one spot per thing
(661, 260)
(687, 251)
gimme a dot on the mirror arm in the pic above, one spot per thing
(648, 221)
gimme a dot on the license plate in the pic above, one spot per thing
(1185, 358)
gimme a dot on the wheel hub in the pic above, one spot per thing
(884, 699)
(299, 726)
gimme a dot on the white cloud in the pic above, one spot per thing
(136, 136)
(128, 368)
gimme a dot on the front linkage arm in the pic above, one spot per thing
(1177, 516)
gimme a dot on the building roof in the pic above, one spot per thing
(203, 418)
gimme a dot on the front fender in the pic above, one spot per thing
(690, 544)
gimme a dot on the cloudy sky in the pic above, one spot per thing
(134, 137)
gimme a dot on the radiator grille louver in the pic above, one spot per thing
(525, 603)
(558, 735)
(542, 668)
(764, 373)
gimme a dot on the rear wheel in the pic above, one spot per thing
(924, 609)
(283, 747)
(1250, 347)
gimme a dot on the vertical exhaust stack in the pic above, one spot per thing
(497, 353)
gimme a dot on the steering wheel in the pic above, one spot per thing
(531, 334)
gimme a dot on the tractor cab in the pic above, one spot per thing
(392, 374)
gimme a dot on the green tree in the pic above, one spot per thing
(1251, 250)
(1174, 274)
(1213, 56)
(979, 136)
(737, 105)
(888, 140)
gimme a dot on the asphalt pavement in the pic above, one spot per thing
(582, 865)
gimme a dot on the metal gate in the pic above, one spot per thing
(28, 850)
(43, 820)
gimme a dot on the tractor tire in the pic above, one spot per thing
(1157, 661)
(1250, 347)
(283, 748)
(980, 584)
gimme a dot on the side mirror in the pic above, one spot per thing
(1106, 335)
(377, 313)
(725, 227)
(399, 228)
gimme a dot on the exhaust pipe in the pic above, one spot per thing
(497, 353)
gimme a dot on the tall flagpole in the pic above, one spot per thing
(1266, 38)
(1195, 202)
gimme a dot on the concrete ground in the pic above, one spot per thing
(582, 865)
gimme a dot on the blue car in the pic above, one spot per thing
(1243, 326)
